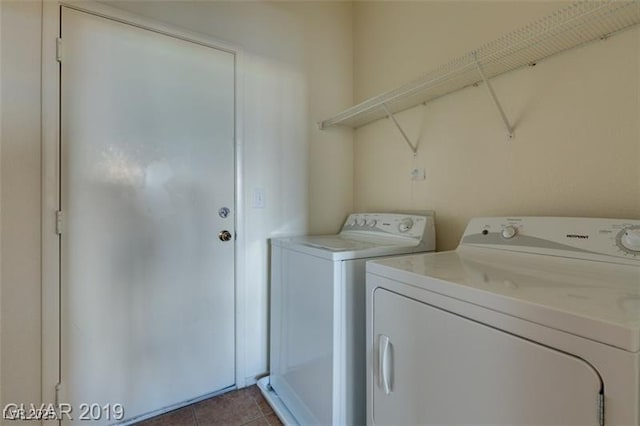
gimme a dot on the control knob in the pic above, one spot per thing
(405, 225)
(360, 221)
(509, 231)
(371, 223)
(630, 239)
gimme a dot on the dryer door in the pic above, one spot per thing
(434, 367)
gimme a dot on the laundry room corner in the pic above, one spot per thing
(234, 212)
(575, 117)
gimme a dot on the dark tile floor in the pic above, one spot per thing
(242, 407)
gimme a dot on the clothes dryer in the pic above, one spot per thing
(530, 321)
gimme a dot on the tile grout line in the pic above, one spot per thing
(261, 415)
(193, 415)
(255, 399)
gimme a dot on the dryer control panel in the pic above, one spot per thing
(609, 240)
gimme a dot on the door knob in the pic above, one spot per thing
(225, 235)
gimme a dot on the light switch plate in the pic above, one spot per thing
(258, 198)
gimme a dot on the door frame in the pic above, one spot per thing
(51, 20)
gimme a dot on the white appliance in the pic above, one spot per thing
(317, 353)
(530, 321)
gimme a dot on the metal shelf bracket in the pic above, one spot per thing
(414, 148)
(495, 98)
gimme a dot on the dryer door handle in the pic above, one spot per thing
(385, 357)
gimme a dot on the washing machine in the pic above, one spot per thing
(530, 321)
(317, 327)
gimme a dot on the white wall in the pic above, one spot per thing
(20, 199)
(297, 70)
(577, 146)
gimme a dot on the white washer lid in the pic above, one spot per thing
(596, 300)
(334, 242)
(340, 247)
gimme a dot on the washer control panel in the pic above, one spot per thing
(628, 239)
(613, 240)
(390, 224)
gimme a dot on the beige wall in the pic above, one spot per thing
(20, 192)
(577, 146)
(297, 68)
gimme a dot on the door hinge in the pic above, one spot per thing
(601, 408)
(59, 49)
(59, 222)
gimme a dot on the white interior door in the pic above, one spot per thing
(436, 368)
(147, 160)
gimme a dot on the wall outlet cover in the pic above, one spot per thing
(418, 174)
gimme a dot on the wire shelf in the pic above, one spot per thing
(572, 26)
